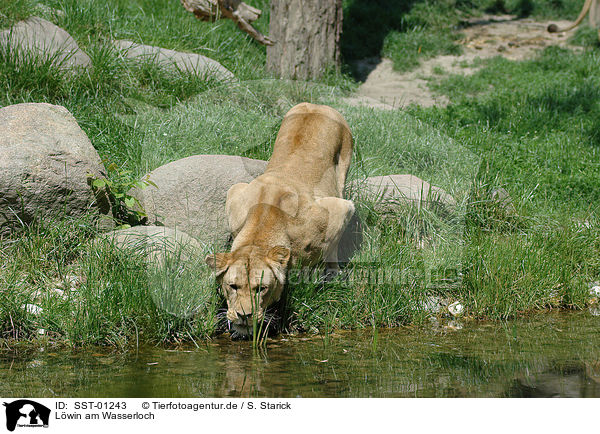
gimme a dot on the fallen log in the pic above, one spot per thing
(242, 14)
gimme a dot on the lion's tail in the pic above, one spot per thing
(553, 28)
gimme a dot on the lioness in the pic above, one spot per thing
(293, 212)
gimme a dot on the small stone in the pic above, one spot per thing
(456, 308)
(73, 280)
(432, 304)
(502, 198)
(32, 309)
(41, 331)
(595, 291)
(59, 293)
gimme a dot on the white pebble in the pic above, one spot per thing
(32, 308)
(456, 308)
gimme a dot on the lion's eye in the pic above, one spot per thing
(234, 287)
(263, 288)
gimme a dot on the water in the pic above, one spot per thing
(554, 354)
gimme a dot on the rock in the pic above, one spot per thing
(32, 309)
(175, 60)
(191, 194)
(179, 281)
(59, 293)
(388, 194)
(503, 200)
(351, 240)
(155, 241)
(42, 294)
(44, 162)
(432, 304)
(392, 190)
(456, 308)
(42, 38)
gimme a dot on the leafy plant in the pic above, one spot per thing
(126, 209)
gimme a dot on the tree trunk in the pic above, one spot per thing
(595, 15)
(306, 35)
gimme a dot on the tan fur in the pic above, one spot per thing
(293, 212)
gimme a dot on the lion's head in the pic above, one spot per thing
(252, 280)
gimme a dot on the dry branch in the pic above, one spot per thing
(241, 13)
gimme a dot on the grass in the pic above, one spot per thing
(411, 31)
(13, 11)
(93, 292)
(537, 122)
(530, 127)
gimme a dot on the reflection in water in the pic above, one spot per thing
(550, 355)
(572, 381)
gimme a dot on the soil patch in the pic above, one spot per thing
(485, 37)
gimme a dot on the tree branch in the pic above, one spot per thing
(241, 13)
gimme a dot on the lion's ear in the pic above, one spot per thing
(280, 255)
(278, 258)
(218, 262)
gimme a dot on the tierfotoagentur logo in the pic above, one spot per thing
(26, 413)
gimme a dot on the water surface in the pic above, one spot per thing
(553, 354)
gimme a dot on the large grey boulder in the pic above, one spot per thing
(175, 60)
(38, 37)
(399, 190)
(44, 162)
(157, 242)
(191, 192)
(178, 279)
